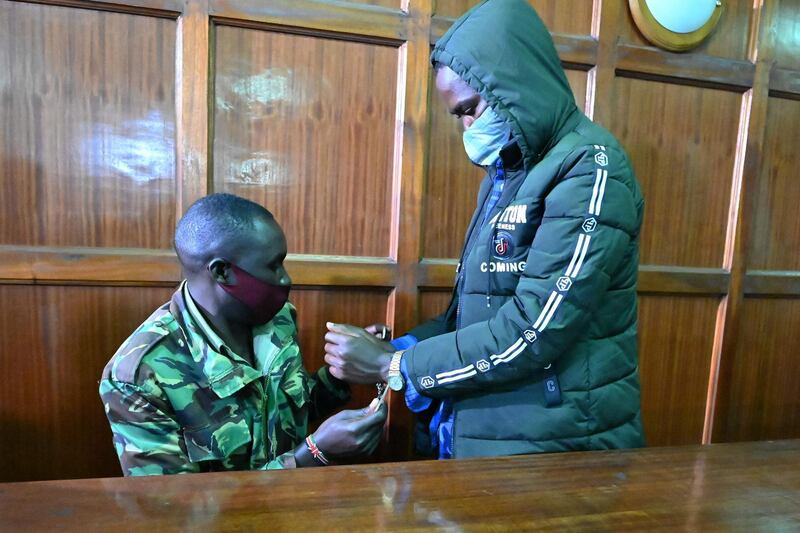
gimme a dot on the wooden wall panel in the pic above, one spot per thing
(787, 35)
(759, 394)
(578, 80)
(560, 16)
(729, 40)
(682, 142)
(451, 188)
(54, 343)
(321, 110)
(87, 127)
(453, 181)
(433, 303)
(676, 334)
(775, 234)
(305, 126)
(316, 306)
(396, 4)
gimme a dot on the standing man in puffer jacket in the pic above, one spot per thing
(537, 351)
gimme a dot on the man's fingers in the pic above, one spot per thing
(335, 371)
(373, 405)
(345, 329)
(372, 417)
(333, 349)
(337, 338)
(334, 361)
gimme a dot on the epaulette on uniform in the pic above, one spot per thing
(125, 363)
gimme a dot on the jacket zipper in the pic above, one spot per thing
(468, 250)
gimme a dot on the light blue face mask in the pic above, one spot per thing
(486, 137)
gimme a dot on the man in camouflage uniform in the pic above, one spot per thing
(214, 380)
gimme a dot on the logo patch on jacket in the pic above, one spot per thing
(503, 245)
(564, 283)
(510, 217)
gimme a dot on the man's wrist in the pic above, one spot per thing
(303, 457)
(395, 379)
(385, 361)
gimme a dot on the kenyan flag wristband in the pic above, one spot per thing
(315, 451)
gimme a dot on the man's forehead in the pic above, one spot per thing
(453, 88)
(268, 233)
(448, 80)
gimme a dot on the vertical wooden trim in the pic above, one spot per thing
(411, 146)
(597, 12)
(606, 21)
(732, 244)
(749, 150)
(191, 103)
(589, 98)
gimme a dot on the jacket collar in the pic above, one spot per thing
(226, 371)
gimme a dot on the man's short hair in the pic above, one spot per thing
(214, 219)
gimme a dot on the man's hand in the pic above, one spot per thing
(380, 330)
(350, 433)
(356, 355)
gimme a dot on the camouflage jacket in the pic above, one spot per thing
(179, 400)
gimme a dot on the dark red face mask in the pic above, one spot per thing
(263, 299)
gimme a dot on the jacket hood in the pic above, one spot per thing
(503, 50)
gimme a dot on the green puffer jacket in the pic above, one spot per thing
(538, 349)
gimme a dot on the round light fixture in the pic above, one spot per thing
(677, 25)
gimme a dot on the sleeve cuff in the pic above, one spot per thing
(338, 388)
(405, 342)
(414, 400)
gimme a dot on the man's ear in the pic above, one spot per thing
(220, 270)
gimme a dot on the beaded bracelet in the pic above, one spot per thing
(315, 451)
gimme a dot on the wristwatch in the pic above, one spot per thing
(395, 377)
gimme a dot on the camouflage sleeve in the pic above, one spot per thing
(328, 394)
(148, 441)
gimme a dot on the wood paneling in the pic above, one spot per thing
(54, 343)
(452, 185)
(433, 303)
(315, 307)
(305, 126)
(681, 141)
(730, 38)
(676, 334)
(787, 35)
(115, 116)
(87, 142)
(351, 19)
(647, 62)
(578, 80)
(383, 3)
(775, 235)
(453, 181)
(759, 385)
(560, 16)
